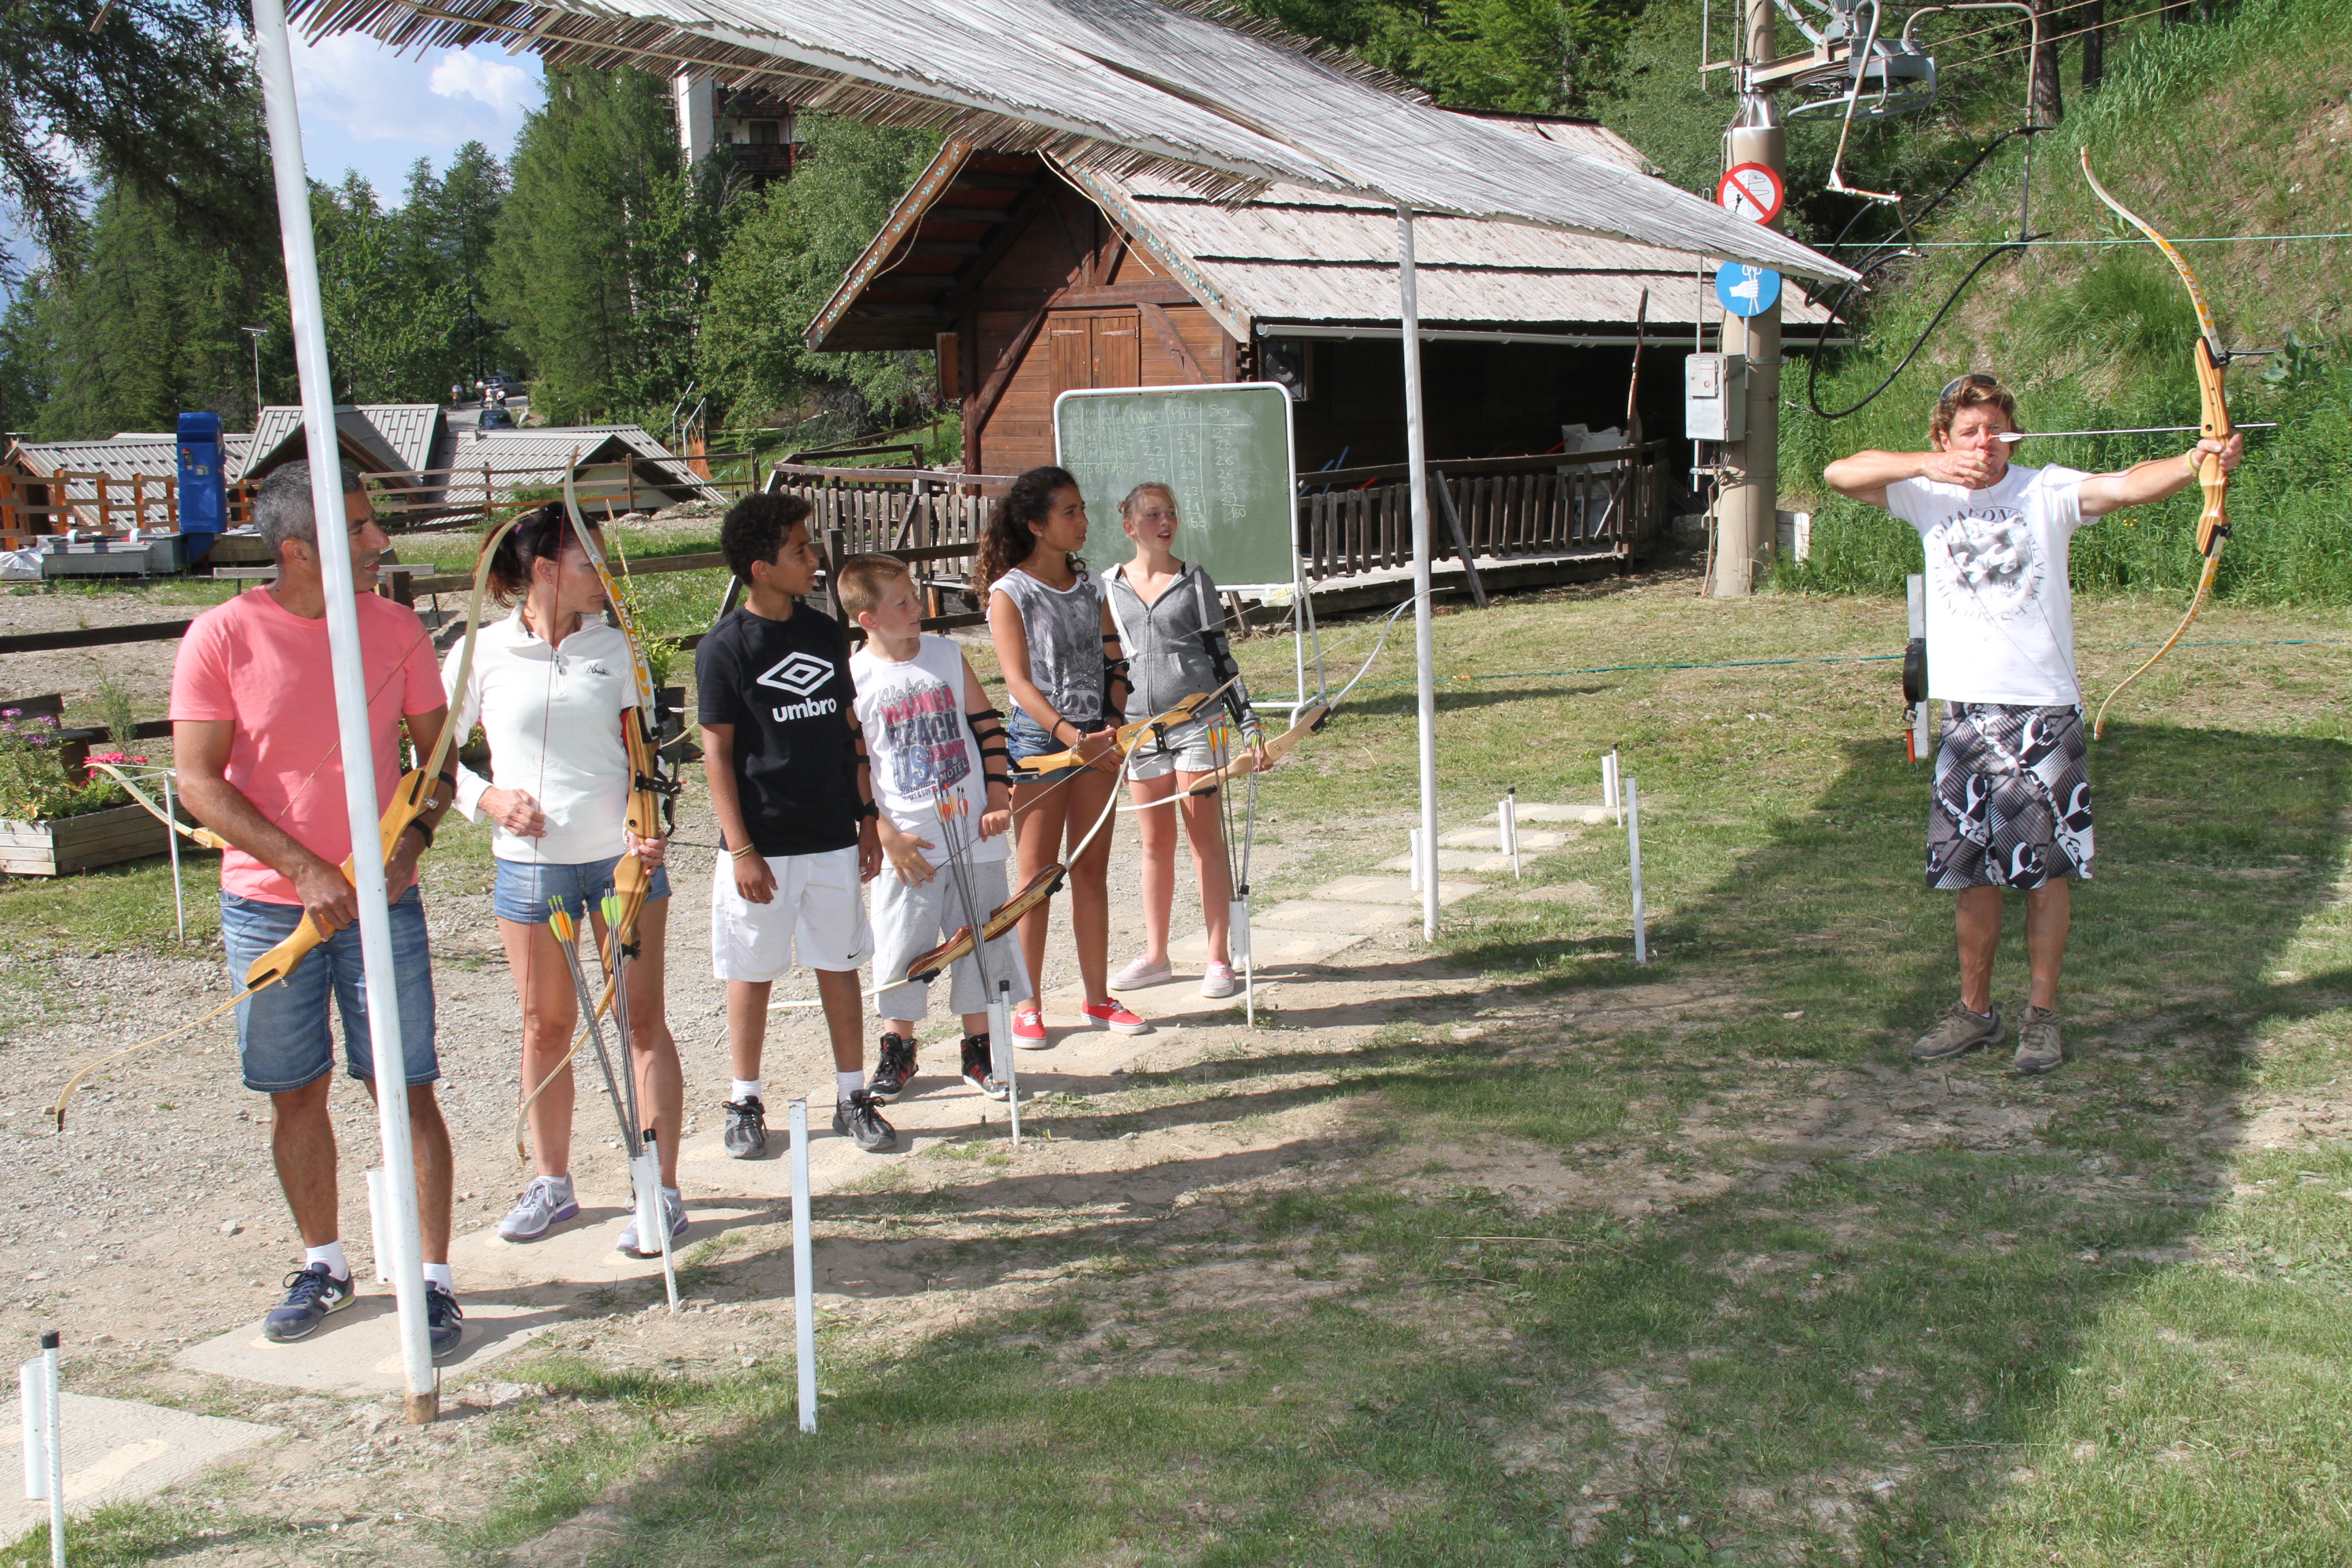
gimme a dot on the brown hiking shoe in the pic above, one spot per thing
(1957, 1033)
(2038, 1050)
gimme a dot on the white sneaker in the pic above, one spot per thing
(1140, 974)
(1217, 980)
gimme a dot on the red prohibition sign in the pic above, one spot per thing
(1752, 191)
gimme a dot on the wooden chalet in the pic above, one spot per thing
(1031, 277)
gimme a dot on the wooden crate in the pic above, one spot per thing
(65, 844)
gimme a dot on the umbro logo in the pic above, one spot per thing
(798, 673)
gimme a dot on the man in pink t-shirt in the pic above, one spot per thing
(256, 744)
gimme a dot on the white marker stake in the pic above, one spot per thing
(804, 1270)
(645, 1171)
(1507, 826)
(1634, 845)
(1611, 793)
(39, 1400)
(1414, 843)
(1237, 942)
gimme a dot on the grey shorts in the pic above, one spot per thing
(1195, 746)
(2011, 807)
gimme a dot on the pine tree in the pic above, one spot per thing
(392, 317)
(602, 247)
(783, 261)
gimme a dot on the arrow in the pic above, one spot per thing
(2135, 430)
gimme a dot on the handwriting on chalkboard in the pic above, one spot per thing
(1225, 450)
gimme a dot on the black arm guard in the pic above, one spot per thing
(988, 734)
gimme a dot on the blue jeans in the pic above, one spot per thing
(524, 887)
(282, 1039)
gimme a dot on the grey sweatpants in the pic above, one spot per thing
(910, 920)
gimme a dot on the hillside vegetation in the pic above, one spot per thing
(2240, 127)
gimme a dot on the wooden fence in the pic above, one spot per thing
(1350, 522)
(463, 496)
(83, 502)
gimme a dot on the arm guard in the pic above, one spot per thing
(1118, 690)
(988, 734)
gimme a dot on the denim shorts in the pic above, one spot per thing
(524, 889)
(282, 1039)
(1025, 738)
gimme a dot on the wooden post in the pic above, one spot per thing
(172, 504)
(138, 500)
(1444, 488)
(834, 547)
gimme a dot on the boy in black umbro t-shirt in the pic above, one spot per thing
(787, 776)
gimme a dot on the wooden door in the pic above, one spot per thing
(1094, 348)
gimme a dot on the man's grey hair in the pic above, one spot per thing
(281, 504)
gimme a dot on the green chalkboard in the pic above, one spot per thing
(1225, 450)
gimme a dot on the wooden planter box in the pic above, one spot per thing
(65, 844)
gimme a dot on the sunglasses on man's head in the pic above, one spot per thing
(1974, 378)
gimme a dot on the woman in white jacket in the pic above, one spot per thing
(552, 686)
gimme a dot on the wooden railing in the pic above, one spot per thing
(464, 495)
(85, 503)
(887, 509)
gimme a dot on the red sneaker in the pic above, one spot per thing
(1111, 1016)
(1028, 1029)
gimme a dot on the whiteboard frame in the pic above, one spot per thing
(1302, 609)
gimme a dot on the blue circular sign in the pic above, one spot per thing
(1746, 290)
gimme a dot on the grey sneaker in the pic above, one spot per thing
(856, 1117)
(2038, 1048)
(675, 1204)
(1957, 1033)
(746, 1137)
(547, 1201)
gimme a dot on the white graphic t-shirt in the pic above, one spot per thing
(2000, 617)
(919, 745)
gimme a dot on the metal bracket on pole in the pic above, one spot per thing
(273, 57)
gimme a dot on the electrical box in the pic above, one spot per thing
(1715, 397)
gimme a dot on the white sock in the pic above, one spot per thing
(746, 1089)
(332, 1255)
(438, 1274)
(845, 1084)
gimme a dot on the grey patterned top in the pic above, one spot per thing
(1066, 646)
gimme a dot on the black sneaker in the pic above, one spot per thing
(444, 1323)
(857, 1118)
(747, 1127)
(978, 1068)
(311, 1294)
(895, 1071)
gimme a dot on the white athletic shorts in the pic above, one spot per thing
(817, 919)
(908, 921)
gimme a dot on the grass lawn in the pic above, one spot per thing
(1677, 1265)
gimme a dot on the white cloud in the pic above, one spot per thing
(507, 89)
(370, 108)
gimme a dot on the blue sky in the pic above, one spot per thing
(366, 108)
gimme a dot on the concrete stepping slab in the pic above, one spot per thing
(1470, 862)
(1492, 838)
(1531, 811)
(1270, 947)
(117, 1451)
(1386, 890)
(580, 1251)
(357, 1350)
(1333, 914)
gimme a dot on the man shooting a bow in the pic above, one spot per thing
(2012, 803)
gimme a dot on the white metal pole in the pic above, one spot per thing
(1634, 849)
(804, 1270)
(1916, 592)
(274, 57)
(1416, 457)
(53, 1400)
(171, 838)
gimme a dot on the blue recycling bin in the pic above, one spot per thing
(204, 492)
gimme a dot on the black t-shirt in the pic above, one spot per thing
(785, 687)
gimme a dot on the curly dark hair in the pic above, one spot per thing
(1012, 527)
(756, 527)
(540, 534)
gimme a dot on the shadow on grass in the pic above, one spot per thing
(1845, 1354)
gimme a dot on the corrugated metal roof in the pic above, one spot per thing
(397, 436)
(154, 457)
(541, 453)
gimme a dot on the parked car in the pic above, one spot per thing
(496, 417)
